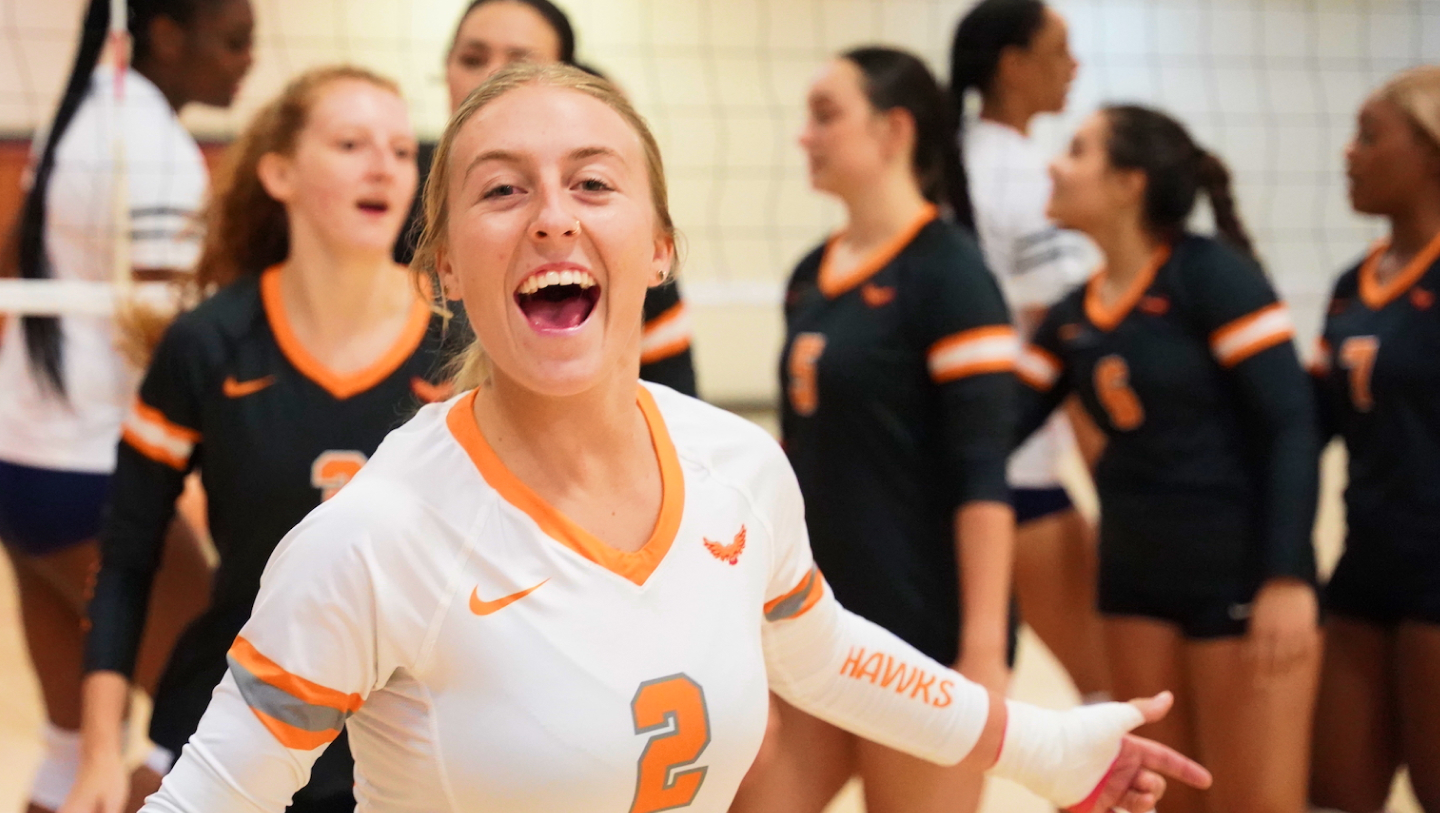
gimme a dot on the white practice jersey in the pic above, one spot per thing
(1035, 262)
(167, 180)
(486, 653)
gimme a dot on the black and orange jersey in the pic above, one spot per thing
(899, 401)
(665, 355)
(1210, 473)
(1378, 370)
(231, 393)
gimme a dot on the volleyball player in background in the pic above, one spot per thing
(64, 387)
(899, 398)
(495, 33)
(1180, 352)
(1015, 54)
(277, 389)
(1380, 391)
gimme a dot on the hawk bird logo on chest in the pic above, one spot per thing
(727, 553)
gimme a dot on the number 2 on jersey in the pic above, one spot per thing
(333, 469)
(1112, 388)
(1357, 355)
(673, 710)
(804, 354)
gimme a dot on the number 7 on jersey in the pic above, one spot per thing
(673, 710)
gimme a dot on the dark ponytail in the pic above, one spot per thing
(980, 40)
(894, 78)
(557, 20)
(42, 333)
(1176, 171)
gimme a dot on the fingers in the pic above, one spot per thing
(1163, 760)
(1136, 802)
(1154, 708)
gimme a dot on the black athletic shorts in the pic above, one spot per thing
(1188, 559)
(1037, 503)
(1386, 583)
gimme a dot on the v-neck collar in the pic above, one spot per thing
(340, 385)
(635, 566)
(1107, 318)
(1376, 295)
(832, 284)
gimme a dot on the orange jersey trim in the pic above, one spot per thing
(666, 335)
(155, 436)
(1106, 318)
(1038, 368)
(340, 385)
(833, 284)
(635, 566)
(1239, 340)
(292, 684)
(979, 350)
(812, 586)
(1376, 296)
(294, 738)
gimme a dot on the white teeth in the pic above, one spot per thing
(535, 282)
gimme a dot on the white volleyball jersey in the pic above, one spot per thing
(166, 183)
(489, 654)
(1035, 262)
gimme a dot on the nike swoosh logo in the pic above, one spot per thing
(240, 389)
(480, 607)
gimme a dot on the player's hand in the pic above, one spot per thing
(1284, 627)
(987, 669)
(102, 786)
(1136, 780)
(143, 782)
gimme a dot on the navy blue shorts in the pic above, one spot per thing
(1038, 503)
(44, 511)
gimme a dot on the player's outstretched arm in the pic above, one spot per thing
(858, 676)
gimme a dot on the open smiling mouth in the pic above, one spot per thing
(558, 300)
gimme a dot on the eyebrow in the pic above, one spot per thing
(510, 157)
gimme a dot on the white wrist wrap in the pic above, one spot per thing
(1063, 755)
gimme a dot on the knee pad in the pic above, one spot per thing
(58, 769)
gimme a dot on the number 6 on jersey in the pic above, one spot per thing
(673, 708)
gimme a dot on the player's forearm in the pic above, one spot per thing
(104, 697)
(984, 547)
(854, 674)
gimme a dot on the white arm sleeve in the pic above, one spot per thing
(854, 674)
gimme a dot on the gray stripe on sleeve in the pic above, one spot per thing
(282, 705)
(790, 607)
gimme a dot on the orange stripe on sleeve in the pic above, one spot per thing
(152, 434)
(294, 685)
(1038, 368)
(666, 335)
(1248, 335)
(991, 349)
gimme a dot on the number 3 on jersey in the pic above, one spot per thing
(673, 710)
(1357, 355)
(1112, 389)
(333, 469)
(804, 354)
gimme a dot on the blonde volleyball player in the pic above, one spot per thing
(1379, 706)
(1015, 54)
(276, 389)
(1180, 351)
(64, 388)
(561, 589)
(494, 33)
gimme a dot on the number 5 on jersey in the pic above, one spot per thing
(673, 710)
(804, 355)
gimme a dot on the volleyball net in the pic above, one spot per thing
(1272, 86)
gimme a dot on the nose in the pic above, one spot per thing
(555, 219)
